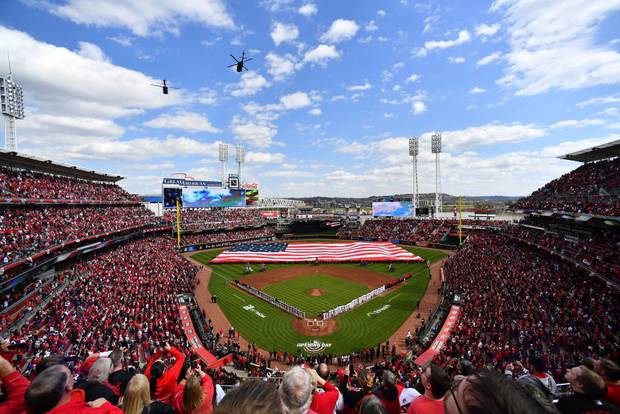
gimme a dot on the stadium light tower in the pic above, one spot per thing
(240, 158)
(413, 152)
(223, 160)
(436, 149)
(12, 105)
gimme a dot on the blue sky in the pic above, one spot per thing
(334, 91)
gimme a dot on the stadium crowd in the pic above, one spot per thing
(16, 183)
(231, 236)
(27, 230)
(521, 303)
(208, 219)
(599, 252)
(592, 188)
(428, 230)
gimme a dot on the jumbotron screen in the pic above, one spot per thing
(213, 197)
(392, 209)
(171, 195)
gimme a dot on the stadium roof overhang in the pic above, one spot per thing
(14, 160)
(600, 152)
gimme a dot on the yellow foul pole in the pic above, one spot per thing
(460, 221)
(178, 226)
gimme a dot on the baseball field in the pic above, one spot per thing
(314, 289)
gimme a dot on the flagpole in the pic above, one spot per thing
(460, 221)
(178, 226)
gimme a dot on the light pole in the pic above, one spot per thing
(413, 152)
(436, 149)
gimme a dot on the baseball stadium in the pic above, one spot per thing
(334, 263)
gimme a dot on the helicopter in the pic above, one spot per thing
(239, 63)
(164, 87)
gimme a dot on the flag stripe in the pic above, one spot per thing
(323, 252)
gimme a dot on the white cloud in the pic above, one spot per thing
(276, 5)
(489, 58)
(184, 121)
(339, 31)
(362, 87)
(486, 30)
(321, 54)
(282, 32)
(280, 67)
(419, 107)
(264, 157)
(308, 9)
(251, 83)
(609, 112)
(573, 123)
(91, 51)
(381, 13)
(315, 111)
(371, 26)
(295, 100)
(463, 37)
(255, 134)
(412, 78)
(476, 90)
(490, 134)
(205, 96)
(554, 45)
(388, 115)
(599, 100)
(457, 59)
(122, 40)
(144, 18)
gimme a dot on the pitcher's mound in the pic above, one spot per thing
(310, 327)
(314, 292)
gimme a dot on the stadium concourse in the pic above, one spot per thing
(91, 287)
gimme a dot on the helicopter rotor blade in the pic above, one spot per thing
(248, 59)
(245, 68)
(234, 64)
(234, 58)
(159, 86)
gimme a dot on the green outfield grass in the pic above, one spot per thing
(367, 325)
(336, 292)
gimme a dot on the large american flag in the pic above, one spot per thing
(322, 252)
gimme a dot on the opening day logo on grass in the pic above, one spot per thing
(313, 346)
(250, 308)
(377, 311)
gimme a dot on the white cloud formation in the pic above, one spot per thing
(412, 78)
(315, 111)
(418, 107)
(308, 9)
(264, 157)
(371, 26)
(251, 83)
(91, 51)
(381, 13)
(295, 100)
(554, 45)
(282, 32)
(321, 54)
(144, 18)
(457, 59)
(340, 31)
(183, 121)
(600, 100)
(574, 123)
(489, 134)
(363, 87)
(255, 134)
(280, 67)
(486, 30)
(463, 37)
(477, 90)
(489, 58)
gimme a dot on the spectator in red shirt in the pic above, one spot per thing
(436, 383)
(610, 372)
(323, 402)
(14, 386)
(52, 392)
(194, 395)
(163, 382)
